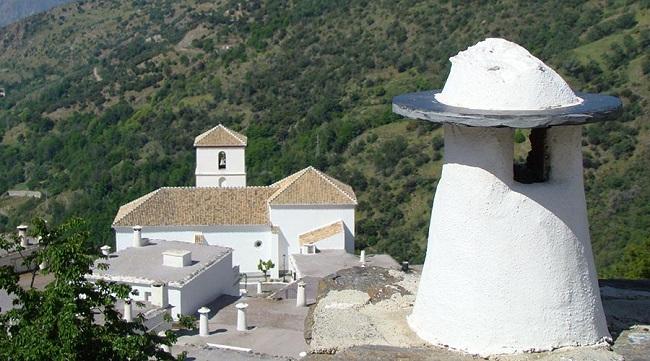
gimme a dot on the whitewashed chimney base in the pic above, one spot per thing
(509, 266)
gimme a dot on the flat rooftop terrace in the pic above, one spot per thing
(145, 264)
(326, 262)
(275, 329)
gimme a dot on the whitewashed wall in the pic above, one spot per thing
(208, 173)
(174, 299)
(217, 280)
(240, 238)
(207, 286)
(509, 266)
(142, 290)
(295, 220)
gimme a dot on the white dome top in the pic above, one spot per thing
(496, 74)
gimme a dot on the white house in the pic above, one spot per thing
(181, 275)
(258, 223)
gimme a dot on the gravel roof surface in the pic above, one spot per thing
(145, 264)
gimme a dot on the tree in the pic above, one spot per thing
(519, 136)
(60, 321)
(264, 267)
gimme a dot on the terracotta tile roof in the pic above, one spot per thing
(321, 233)
(129, 207)
(178, 206)
(310, 186)
(220, 136)
(198, 206)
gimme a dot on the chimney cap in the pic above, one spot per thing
(241, 305)
(105, 247)
(22, 227)
(137, 228)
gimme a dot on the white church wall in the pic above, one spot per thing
(280, 248)
(295, 220)
(229, 180)
(208, 173)
(242, 239)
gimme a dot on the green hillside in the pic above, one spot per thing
(104, 99)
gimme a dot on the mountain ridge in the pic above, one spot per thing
(14, 10)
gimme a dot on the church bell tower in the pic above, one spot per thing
(220, 158)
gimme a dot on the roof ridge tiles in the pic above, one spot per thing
(143, 199)
(234, 134)
(327, 179)
(295, 176)
(241, 140)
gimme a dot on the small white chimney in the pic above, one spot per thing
(177, 258)
(128, 311)
(301, 299)
(165, 348)
(241, 316)
(106, 250)
(137, 237)
(159, 294)
(309, 248)
(203, 321)
(22, 234)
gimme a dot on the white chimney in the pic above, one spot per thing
(106, 250)
(301, 300)
(165, 348)
(128, 311)
(177, 258)
(203, 321)
(241, 316)
(309, 248)
(22, 234)
(159, 294)
(509, 265)
(137, 237)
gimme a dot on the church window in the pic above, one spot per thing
(535, 168)
(222, 160)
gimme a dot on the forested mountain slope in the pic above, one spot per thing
(12, 10)
(104, 99)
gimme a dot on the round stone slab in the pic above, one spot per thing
(423, 105)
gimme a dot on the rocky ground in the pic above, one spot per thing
(360, 314)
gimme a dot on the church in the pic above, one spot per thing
(302, 213)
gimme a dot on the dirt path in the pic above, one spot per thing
(96, 74)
